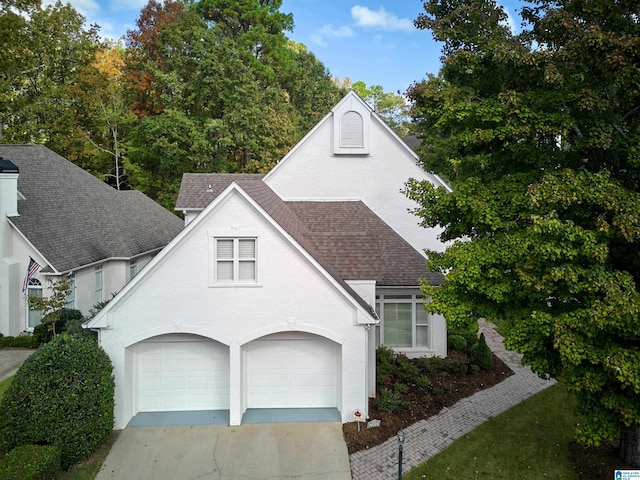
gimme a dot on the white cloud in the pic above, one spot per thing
(87, 8)
(380, 19)
(510, 22)
(136, 5)
(328, 31)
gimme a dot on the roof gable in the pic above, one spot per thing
(275, 212)
(345, 236)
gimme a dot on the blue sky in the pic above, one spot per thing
(371, 41)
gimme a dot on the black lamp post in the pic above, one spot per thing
(400, 447)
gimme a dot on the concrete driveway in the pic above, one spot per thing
(10, 361)
(315, 451)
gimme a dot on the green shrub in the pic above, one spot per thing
(67, 318)
(407, 370)
(63, 396)
(401, 388)
(423, 381)
(30, 462)
(385, 361)
(430, 364)
(21, 341)
(390, 401)
(481, 354)
(457, 343)
(457, 366)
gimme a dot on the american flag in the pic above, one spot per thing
(31, 271)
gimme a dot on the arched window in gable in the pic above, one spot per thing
(351, 130)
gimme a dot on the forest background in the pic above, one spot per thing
(202, 86)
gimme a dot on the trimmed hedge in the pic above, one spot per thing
(22, 341)
(63, 396)
(457, 343)
(30, 462)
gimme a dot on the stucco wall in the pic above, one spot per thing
(312, 172)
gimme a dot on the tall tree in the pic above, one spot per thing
(43, 51)
(219, 88)
(106, 113)
(538, 133)
(391, 107)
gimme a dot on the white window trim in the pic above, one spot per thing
(338, 115)
(71, 297)
(133, 268)
(416, 301)
(99, 292)
(235, 234)
(34, 284)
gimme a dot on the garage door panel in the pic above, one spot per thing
(182, 375)
(292, 373)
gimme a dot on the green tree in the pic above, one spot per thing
(105, 113)
(391, 107)
(43, 51)
(52, 305)
(218, 88)
(538, 133)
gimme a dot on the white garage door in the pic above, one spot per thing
(292, 372)
(182, 372)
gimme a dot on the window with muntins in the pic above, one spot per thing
(235, 260)
(133, 268)
(71, 294)
(99, 284)
(34, 317)
(404, 323)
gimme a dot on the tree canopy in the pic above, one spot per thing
(204, 86)
(539, 134)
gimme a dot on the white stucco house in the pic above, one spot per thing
(280, 287)
(72, 225)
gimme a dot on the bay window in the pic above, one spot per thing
(404, 323)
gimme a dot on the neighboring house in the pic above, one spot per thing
(280, 287)
(73, 225)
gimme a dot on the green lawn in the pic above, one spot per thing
(528, 441)
(4, 385)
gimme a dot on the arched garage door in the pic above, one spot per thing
(292, 370)
(181, 372)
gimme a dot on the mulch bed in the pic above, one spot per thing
(446, 389)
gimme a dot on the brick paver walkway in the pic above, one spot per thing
(429, 437)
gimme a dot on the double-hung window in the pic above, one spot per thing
(133, 268)
(34, 317)
(404, 321)
(99, 284)
(235, 260)
(71, 293)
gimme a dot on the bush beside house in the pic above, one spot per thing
(63, 395)
(21, 341)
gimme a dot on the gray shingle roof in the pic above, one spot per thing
(195, 192)
(75, 219)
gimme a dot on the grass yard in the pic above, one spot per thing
(4, 384)
(529, 441)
